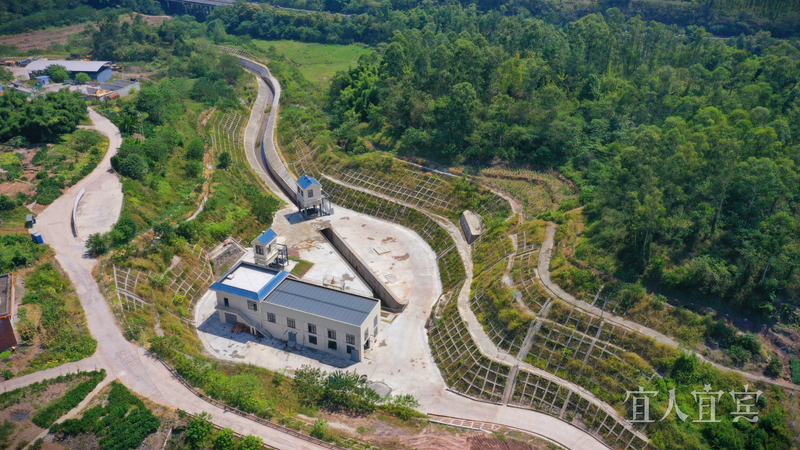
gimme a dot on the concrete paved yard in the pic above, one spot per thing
(401, 360)
(99, 208)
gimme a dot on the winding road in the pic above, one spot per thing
(120, 358)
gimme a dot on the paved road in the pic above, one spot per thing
(431, 390)
(546, 253)
(101, 205)
(123, 360)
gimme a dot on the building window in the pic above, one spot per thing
(332, 345)
(312, 328)
(259, 250)
(375, 322)
(225, 301)
(331, 334)
(312, 340)
(252, 306)
(366, 335)
(310, 193)
(300, 191)
(350, 349)
(271, 317)
(351, 339)
(375, 333)
(290, 323)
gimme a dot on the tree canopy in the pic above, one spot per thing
(40, 119)
(686, 148)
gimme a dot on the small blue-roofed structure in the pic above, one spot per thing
(267, 237)
(310, 198)
(44, 80)
(37, 237)
(268, 252)
(272, 303)
(306, 182)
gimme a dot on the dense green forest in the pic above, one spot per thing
(685, 147)
(375, 21)
(40, 119)
(17, 16)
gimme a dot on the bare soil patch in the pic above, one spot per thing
(42, 39)
(20, 413)
(392, 433)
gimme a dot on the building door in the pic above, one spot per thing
(230, 318)
(353, 354)
(292, 337)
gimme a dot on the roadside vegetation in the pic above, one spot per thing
(62, 405)
(122, 423)
(39, 400)
(40, 174)
(277, 397)
(47, 317)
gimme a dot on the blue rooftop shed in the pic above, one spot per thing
(44, 80)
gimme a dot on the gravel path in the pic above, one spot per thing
(546, 253)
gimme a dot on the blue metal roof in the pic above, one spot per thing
(267, 237)
(259, 295)
(306, 181)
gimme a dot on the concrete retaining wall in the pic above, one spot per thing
(272, 161)
(75, 211)
(379, 289)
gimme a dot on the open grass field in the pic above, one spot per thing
(317, 62)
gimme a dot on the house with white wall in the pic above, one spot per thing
(274, 304)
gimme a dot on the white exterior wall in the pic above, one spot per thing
(280, 329)
(269, 251)
(306, 200)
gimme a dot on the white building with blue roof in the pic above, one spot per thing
(310, 198)
(267, 251)
(271, 303)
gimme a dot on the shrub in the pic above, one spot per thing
(320, 425)
(134, 166)
(195, 149)
(224, 440)
(224, 160)
(251, 443)
(739, 354)
(794, 364)
(774, 367)
(193, 169)
(6, 203)
(61, 405)
(199, 430)
(97, 244)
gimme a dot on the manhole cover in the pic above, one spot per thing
(380, 249)
(391, 278)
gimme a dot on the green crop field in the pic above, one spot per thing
(317, 62)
